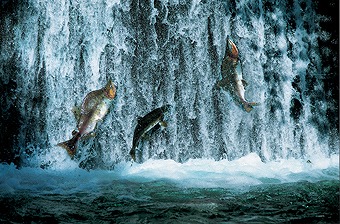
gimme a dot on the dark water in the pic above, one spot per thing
(161, 202)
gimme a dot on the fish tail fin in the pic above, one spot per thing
(70, 145)
(217, 85)
(133, 153)
(248, 106)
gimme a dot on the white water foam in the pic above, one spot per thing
(196, 173)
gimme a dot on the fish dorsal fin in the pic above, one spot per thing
(139, 119)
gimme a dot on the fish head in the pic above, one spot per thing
(232, 50)
(110, 90)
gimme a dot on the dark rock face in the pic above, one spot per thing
(10, 118)
(328, 44)
(22, 119)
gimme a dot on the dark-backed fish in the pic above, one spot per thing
(150, 121)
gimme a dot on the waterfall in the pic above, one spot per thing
(161, 52)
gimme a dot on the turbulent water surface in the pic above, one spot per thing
(198, 191)
(213, 162)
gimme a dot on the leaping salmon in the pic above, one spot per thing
(232, 80)
(93, 109)
(150, 121)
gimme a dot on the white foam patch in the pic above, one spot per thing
(196, 173)
(246, 171)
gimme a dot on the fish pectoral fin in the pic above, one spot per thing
(89, 135)
(223, 83)
(76, 112)
(244, 82)
(248, 106)
(145, 137)
(163, 124)
(157, 126)
(74, 132)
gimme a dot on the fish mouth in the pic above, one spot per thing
(111, 94)
(232, 50)
(110, 90)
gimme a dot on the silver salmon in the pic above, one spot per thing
(232, 80)
(93, 109)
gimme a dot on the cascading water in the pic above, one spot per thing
(161, 52)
